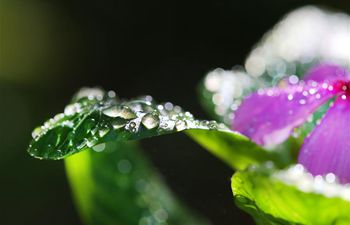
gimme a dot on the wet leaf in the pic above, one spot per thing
(95, 117)
(291, 197)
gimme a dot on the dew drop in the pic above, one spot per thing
(58, 117)
(164, 125)
(91, 141)
(111, 94)
(116, 124)
(68, 123)
(150, 120)
(312, 91)
(167, 124)
(148, 98)
(47, 125)
(99, 147)
(90, 93)
(293, 79)
(37, 132)
(136, 106)
(103, 131)
(177, 109)
(168, 106)
(132, 124)
(180, 125)
(188, 115)
(330, 178)
(131, 127)
(120, 111)
(160, 107)
(204, 123)
(72, 109)
(213, 125)
(69, 110)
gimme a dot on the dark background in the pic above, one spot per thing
(49, 49)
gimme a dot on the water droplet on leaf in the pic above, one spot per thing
(150, 120)
(99, 147)
(92, 141)
(116, 124)
(120, 111)
(180, 125)
(37, 132)
(213, 125)
(103, 131)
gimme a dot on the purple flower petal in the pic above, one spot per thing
(268, 117)
(326, 73)
(327, 149)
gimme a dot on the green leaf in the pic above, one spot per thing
(119, 186)
(95, 118)
(235, 149)
(291, 197)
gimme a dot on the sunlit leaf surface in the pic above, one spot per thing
(291, 197)
(119, 186)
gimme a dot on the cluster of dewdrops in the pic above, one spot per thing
(327, 185)
(163, 117)
(227, 88)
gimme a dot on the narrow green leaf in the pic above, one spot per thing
(95, 118)
(119, 186)
(291, 197)
(233, 148)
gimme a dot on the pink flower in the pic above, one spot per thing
(269, 116)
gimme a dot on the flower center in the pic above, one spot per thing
(341, 88)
